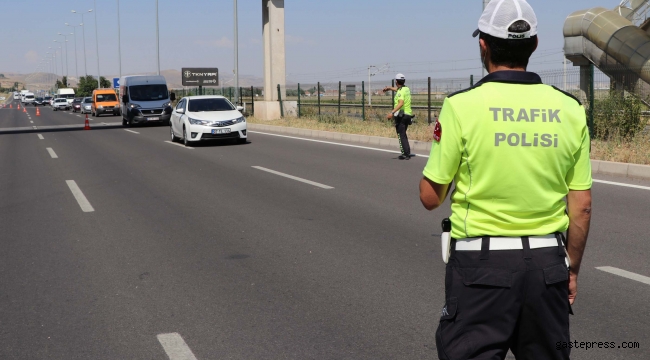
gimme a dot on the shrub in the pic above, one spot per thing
(618, 115)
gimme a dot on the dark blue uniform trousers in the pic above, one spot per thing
(506, 299)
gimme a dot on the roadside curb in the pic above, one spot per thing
(598, 166)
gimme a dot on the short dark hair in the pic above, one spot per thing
(511, 52)
(400, 82)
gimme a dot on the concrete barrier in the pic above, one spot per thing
(598, 166)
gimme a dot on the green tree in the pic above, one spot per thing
(105, 83)
(86, 86)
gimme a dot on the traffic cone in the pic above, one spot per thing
(87, 125)
(18, 106)
(11, 106)
(24, 109)
(38, 112)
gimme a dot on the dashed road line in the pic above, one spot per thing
(31, 122)
(181, 145)
(52, 153)
(322, 186)
(79, 195)
(40, 136)
(175, 347)
(625, 274)
(131, 131)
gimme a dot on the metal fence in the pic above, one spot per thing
(367, 101)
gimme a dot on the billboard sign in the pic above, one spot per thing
(200, 76)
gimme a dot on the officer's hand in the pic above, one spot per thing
(389, 116)
(573, 287)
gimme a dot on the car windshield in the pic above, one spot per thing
(148, 92)
(88, 101)
(77, 101)
(60, 100)
(39, 99)
(214, 104)
(106, 97)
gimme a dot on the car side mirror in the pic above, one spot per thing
(240, 108)
(172, 96)
(180, 111)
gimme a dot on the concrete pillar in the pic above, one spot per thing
(274, 59)
(585, 80)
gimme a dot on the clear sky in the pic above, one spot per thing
(326, 40)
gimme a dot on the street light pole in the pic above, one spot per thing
(157, 39)
(119, 38)
(236, 56)
(83, 28)
(99, 83)
(76, 68)
(67, 68)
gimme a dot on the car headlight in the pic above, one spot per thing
(240, 120)
(134, 106)
(167, 104)
(198, 122)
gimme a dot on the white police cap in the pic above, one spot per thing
(499, 15)
(400, 77)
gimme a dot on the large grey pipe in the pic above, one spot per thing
(607, 39)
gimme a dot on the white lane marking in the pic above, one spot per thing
(175, 347)
(625, 274)
(181, 145)
(40, 136)
(52, 153)
(424, 156)
(78, 115)
(622, 184)
(335, 143)
(31, 122)
(294, 178)
(81, 198)
(131, 131)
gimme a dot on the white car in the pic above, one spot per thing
(60, 104)
(200, 118)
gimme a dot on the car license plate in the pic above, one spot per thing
(220, 131)
(153, 119)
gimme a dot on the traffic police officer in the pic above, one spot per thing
(515, 148)
(402, 114)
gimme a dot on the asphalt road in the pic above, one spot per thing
(236, 262)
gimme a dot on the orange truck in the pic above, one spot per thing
(105, 102)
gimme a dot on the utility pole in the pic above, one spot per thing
(236, 56)
(99, 83)
(119, 38)
(157, 38)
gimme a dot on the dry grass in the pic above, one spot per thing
(418, 131)
(636, 150)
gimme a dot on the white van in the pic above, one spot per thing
(67, 94)
(28, 98)
(144, 99)
(22, 95)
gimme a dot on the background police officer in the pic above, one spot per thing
(515, 148)
(402, 114)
